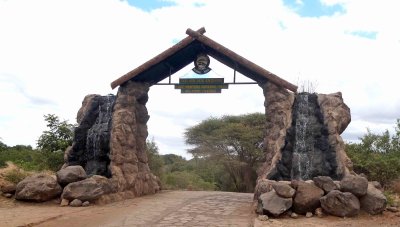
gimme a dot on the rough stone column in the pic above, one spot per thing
(129, 168)
(278, 110)
(336, 117)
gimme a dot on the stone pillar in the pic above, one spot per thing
(129, 168)
(336, 117)
(278, 110)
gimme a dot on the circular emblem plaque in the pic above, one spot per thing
(201, 64)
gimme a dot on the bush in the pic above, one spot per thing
(32, 160)
(186, 180)
(15, 175)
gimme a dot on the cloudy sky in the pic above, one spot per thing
(54, 52)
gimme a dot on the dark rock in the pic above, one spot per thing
(325, 183)
(85, 190)
(274, 204)
(76, 203)
(341, 204)
(91, 145)
(307, 152)
(8, 187)
(283, 190)
(307, 198)
(70, 174)
(38, 188)
(263, 186)
(392, 209)
(354, 184)
(374, 202)
(318, 212)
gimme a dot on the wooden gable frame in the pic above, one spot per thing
(183, 53)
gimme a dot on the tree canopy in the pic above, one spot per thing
(58, 137)
(377, 155)
(234, 142)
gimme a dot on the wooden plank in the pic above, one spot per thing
(157, 59)
(241, 60)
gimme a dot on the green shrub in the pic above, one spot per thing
(186, 180)
(15, 176)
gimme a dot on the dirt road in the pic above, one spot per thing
(170, 208)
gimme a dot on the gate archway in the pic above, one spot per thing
(134, 85)
(127, 163)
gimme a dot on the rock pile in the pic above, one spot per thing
(319, 196)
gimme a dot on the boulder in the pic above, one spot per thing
(341, 204)
(8, 187)
(76, 203)
(283, 190)
(70, 174)
(273, 204)
(374, 202)
(85, 190)
(262, 186)
(38, 188)
(325, 183)
(354, 184)
(64, 202)
(307, 197)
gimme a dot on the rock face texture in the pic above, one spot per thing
(342, 204)
(129, 167)
(91, 138)
(38, 188)
(278, 111)
(374, 202)
(303, 135)
(70, 174)
(273, 204)
(110, 141)
(354, 184)
(307, 197)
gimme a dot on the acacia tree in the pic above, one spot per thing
(234, 142)
(58, 137)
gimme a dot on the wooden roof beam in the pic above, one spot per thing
(241, 60)
(157, 59)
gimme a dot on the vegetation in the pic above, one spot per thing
(31, 159)
(377, 156)
(226, 155)
(58, 137)
(234, 142)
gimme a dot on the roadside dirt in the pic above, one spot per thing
(170, 208)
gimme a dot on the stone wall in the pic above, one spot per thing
(280, 122)
(278, 110)
(124, 136)
(129, 163)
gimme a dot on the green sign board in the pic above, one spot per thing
(200, 90)
(201, 85)
(201, 81)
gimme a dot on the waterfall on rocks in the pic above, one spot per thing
(307, 152)
(91, 146)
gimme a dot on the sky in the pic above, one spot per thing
(54, 52)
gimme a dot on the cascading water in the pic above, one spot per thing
(91, 138)
(306, 153)
(302, 149)
(98, 137)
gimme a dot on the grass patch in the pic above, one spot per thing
(15, 175)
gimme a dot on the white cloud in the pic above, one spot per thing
(54, 52)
